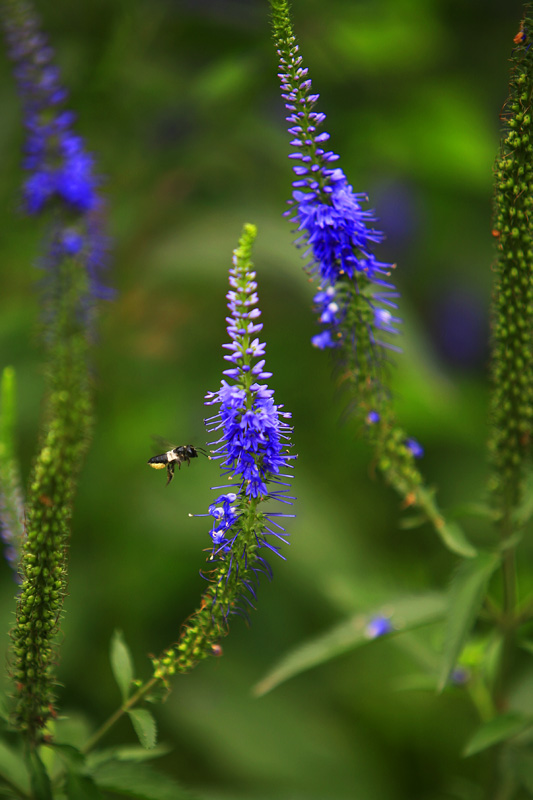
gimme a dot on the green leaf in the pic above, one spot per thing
(81, 787)
(71, 755)
(138, 781)
(524, 510)
(450, 533)
(413, 521)
(404, 614)
(497, 730)
(126, 753)
(145, 726)
(453, 537)
(13, 768)
(40, 782)
(468, 589)
(121, 663)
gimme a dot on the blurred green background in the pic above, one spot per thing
(179, 101)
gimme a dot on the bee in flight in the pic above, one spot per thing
(176, 455)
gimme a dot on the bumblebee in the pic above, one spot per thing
(175, 456)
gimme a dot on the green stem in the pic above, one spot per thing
(124, 708)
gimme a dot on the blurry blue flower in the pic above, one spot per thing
(378, 626)
(60, 171)
(460, 676)
(416, 449)
(458, 320)
(372, 417)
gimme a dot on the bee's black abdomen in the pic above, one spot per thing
(161, 459)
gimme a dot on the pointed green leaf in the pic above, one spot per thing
(497, 730)
(145, 726)
(81, 787)
(413, 521)
(450, 532)
(453, 537)
(138, 781)
(13, 768)
(467, 593)
(70, 755)
(40, 782)
(404, 614)
(121, 663)
(126, 753)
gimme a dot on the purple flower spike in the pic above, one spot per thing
(334, 227)
(60, 171)
(253, 432)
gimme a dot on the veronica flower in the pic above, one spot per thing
(60, 172)
(252, 446)
(356, 301)
(253, 432)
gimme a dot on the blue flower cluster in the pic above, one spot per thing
(333, 225)
(254, 434)
(61, 172)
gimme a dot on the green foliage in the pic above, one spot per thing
(195, 139)
(404, 614)
(121, 664)
(499, 729)
(467, 593)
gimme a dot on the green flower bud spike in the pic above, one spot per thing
(511, 408)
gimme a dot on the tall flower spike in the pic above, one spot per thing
(356, 302)
(512, 309)
(252, 446)
(61, 175)
(61, 180)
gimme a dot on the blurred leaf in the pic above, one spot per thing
(414, 521)
(145, 726)
(450, 533)
(121, 663)
(138, 781)
(71, 755)
(453, 537)
(522, 762)
(127, 753)
(81, 787)
(524, 510)
(467, 591)
(13, 768)
(40, 782)
(404, 614)
(497, 730)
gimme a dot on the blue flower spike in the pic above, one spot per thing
(253, 447)
(356, 302)
(61, 174)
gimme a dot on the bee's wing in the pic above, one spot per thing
(161, 444)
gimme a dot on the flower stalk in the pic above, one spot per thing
(252, 446)
(61, 181)
(356, 302)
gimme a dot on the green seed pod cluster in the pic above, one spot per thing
(511, 410)
(48, 509)
(228, 593)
